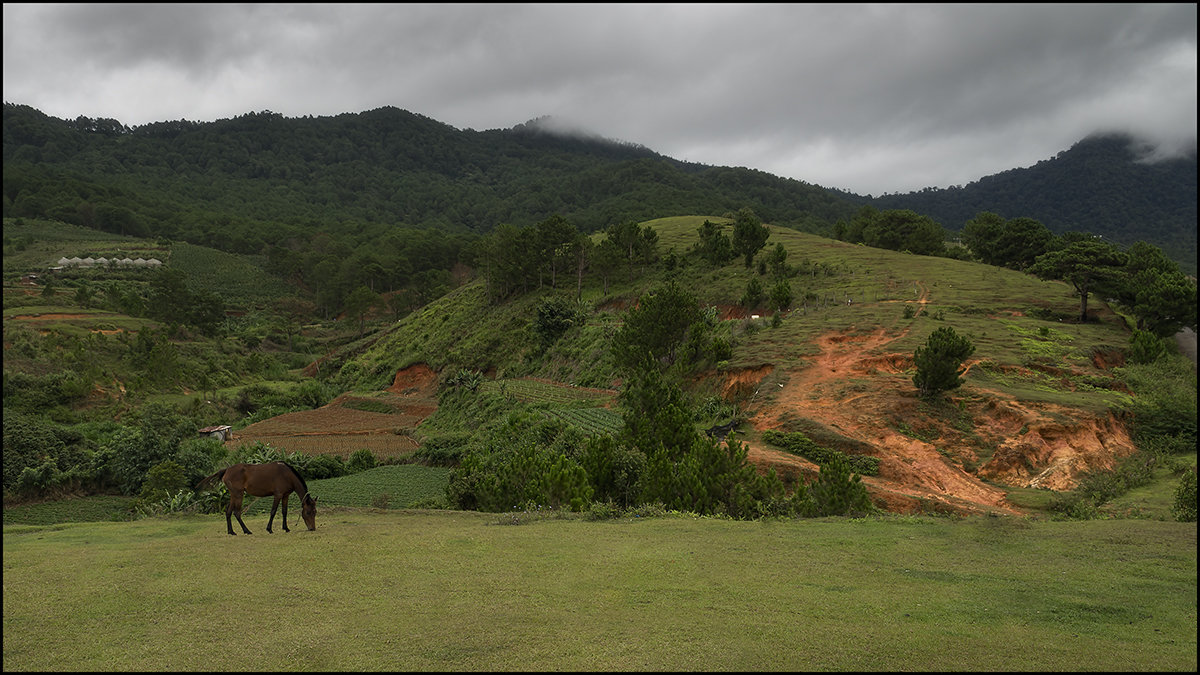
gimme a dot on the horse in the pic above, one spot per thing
(277, 478)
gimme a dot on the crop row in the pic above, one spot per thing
(342, 445)
(537, 391)
(600, 421)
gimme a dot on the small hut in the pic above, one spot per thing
(222, 433)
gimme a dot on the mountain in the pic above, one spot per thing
(244, 183)
(388, 166)
(1104, 184)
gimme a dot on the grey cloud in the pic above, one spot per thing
(867, 97)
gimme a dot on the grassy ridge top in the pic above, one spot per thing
(1014, 319)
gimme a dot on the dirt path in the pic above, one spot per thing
(823, 392)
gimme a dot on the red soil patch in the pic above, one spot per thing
(415, 380)
(1034, 446)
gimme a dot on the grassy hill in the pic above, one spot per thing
(1045, 400)
(1041, 405)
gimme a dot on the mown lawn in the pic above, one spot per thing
(447, 590)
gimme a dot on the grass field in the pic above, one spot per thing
(447, 590)
(401, 484)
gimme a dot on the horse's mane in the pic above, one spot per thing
(298, 476)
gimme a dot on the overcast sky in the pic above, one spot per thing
(867, 98)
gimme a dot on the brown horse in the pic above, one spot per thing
(277, 478)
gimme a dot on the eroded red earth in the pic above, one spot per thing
(1034, 445)
(998, 441)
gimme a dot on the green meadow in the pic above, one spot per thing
(372, 589)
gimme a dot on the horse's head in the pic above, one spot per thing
(308, 511)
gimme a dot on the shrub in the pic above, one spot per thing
(1145, 347)
(754, 294)
(28, 442)
(442, 449)
(553, 316)
(799, 444)
(360, 460)
(1098, 487)
(838, 492)
(162, 481)
(1165, 400)
(613, 470)
(781, 296)
(516, 465)
(325, 466)
(1184, 508)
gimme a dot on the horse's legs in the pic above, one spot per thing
(274, 505)
(285, 498)
(235, 507)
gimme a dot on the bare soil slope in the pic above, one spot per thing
(942, 465)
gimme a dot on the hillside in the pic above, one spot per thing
(1101, 185)
(1038, 408)
(312, 265)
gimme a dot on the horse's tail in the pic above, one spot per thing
(216, 476)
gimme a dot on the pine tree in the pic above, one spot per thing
(939, 359)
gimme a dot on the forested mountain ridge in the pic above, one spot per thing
(246, 183)
(1101, 185)
(384, 166)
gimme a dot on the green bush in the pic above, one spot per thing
(553, 316)
(799, 444)
(360, 460)
(325, 466)
(28, 442)
(162, 481)
(1145, 347)
(1164, 401)
(1184, 508)
(839, 492)
(613, 470)
(1098, 487)
(443, 449)
(515, 465)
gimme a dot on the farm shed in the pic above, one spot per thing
(222, 433)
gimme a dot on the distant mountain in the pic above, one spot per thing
(244, 183)
(1101, 185)
(384, 166)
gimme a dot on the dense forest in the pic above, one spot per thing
(1100, 185)
(283, 175)
(258, 180)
